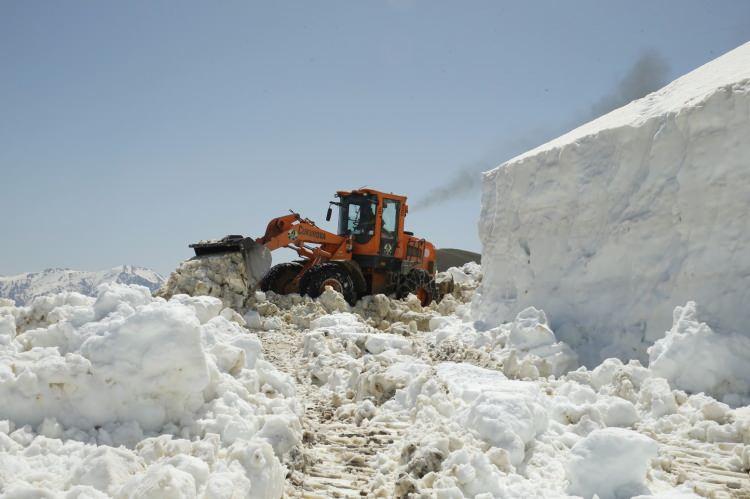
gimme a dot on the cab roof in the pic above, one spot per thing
(374, 192)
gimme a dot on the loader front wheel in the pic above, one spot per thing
(420, 283)
(315, 280)
(280, 278)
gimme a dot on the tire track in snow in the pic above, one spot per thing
(337, 456)
(690, 461)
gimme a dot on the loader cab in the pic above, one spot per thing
(379, 248)
(374, 220)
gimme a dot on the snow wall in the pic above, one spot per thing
(609, 227)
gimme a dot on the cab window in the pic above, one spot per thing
(389, 227)
(390, 217)
(357, 217)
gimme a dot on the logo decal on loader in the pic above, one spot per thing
(292, 234)
(388, 248)
(312, 233)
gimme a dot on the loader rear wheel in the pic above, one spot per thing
(315, 280)
(280, 277)
(420, 283)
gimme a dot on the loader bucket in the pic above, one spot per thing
(445, 284)
(256, 256)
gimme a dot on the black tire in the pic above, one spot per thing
(277, 279)
(420, 283)
(315, 280)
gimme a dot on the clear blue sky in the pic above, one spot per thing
(129, 129)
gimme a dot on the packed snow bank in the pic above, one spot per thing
(696, 359)
(612, 225)
(610, 463)
(180, 383)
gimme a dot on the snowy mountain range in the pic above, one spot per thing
(24, 287)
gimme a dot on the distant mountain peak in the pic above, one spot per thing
(23, 288)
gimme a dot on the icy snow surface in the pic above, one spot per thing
(611, 226)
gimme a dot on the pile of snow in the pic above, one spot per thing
(473, 431)
(222, 275)
(180, 384)
(356, 361)
(612, 225)
(365, 352)
(23, 288)
(525, 348)
(47, 309)
(225, 276)
(269, 311)
(696, 359)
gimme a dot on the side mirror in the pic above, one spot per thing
(328, 215)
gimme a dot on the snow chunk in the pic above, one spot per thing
(610, 463)
(205, 307)
(529, 330)
(348, 327)
(112, 296)
(161, 481)
(504, 413)
(696, 359)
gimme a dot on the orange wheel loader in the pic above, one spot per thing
(370, 253)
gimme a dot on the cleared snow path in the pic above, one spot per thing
(337, 456)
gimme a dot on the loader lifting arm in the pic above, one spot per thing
(297, 233)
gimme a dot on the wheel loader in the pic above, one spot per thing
(371, 252)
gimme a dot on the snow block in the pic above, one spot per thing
(696, 359)
(610, 227)
(610, 463)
